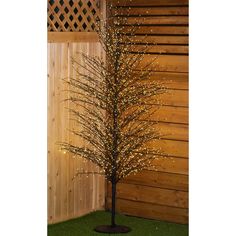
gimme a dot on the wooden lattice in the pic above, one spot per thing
(73, 15)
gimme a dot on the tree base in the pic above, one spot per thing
(118, 229)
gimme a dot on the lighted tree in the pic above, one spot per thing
(113, 100)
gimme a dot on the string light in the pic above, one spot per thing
(112, 102)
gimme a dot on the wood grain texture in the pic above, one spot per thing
(67, 198)
(161, 39)
(173, 80)
(157, 20)
(168, 63)
(172, 165)
(175, 97)
(63, 37)
(159, 179)
(161, 49)
(173, 131)
(151, 211)
(154, 11)
(171, 114)
(144, 3)
(158, 30)
(152, 195)
(174, 148)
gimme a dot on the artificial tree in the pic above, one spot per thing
(113, 100)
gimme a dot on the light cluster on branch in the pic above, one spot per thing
(112, 100)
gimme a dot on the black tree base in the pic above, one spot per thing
(118, 229)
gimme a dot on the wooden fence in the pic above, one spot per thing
(162, 194)
(67, 197)
(159, 194)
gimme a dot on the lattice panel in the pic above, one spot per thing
(73, 15)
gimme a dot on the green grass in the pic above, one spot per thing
(84, 226)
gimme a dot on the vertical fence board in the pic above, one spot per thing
(67, 198)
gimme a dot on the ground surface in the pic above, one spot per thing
(84, 226)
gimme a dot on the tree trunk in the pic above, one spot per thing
(113, 204)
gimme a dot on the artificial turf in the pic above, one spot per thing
(84, 226)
